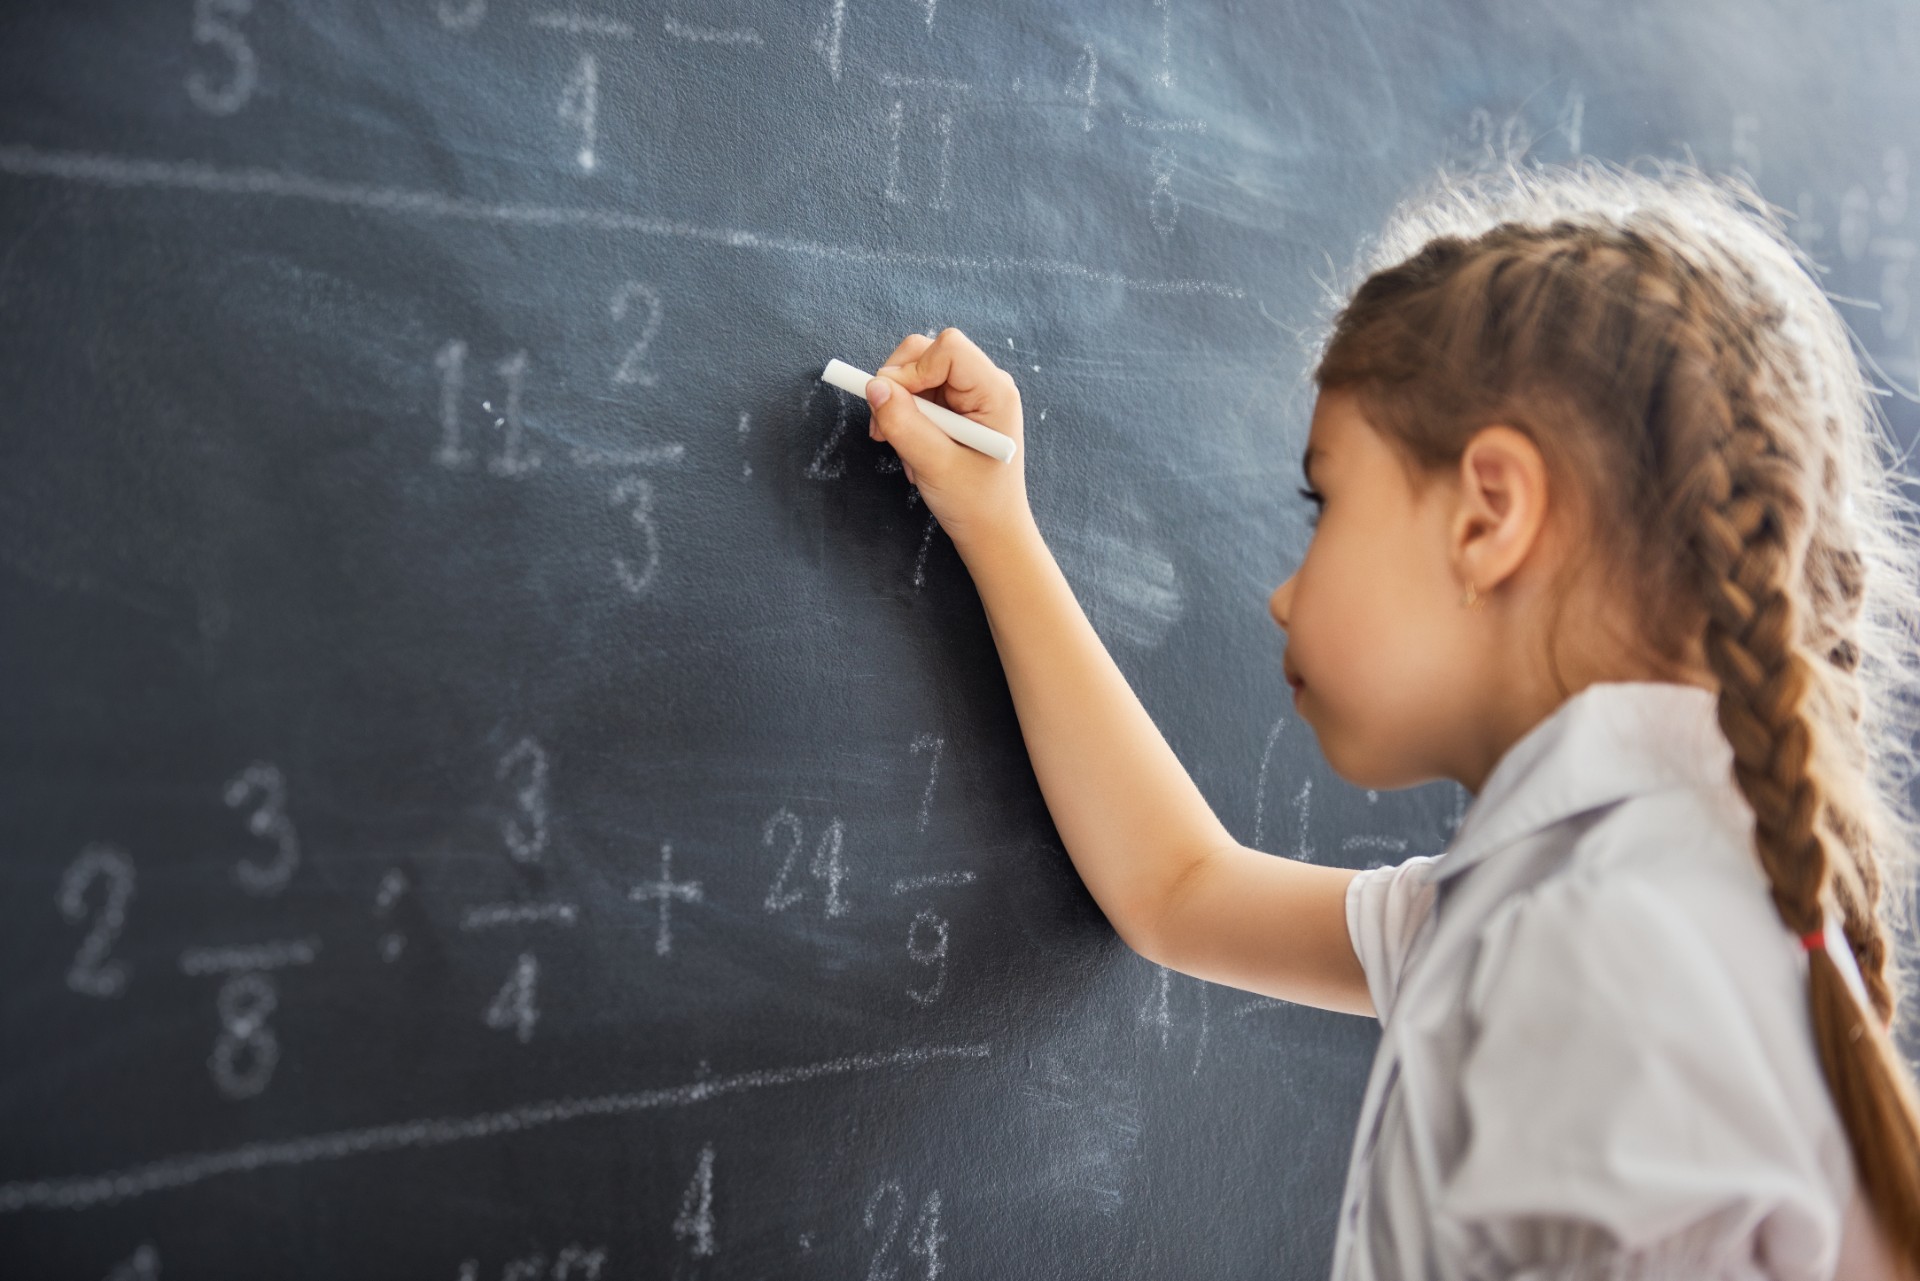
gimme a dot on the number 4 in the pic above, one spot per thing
(513, 1007)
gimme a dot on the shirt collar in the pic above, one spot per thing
(1612, 740)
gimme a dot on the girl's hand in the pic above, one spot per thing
(975, 497)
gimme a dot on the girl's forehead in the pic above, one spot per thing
(1335, 416)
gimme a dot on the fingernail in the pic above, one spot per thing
(878, 390)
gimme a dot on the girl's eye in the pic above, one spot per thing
(1319, 501)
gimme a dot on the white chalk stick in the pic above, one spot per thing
(965, 430)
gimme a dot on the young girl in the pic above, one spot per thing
(1605, 535)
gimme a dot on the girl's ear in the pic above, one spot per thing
(1502, 505)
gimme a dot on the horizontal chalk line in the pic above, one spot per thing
(490, 914)
(935, 880)
(260, 956)
(583, 24)
(178, 1171)
(192, 175)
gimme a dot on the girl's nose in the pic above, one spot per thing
(1281, 602)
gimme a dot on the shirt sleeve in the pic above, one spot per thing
(1624, 1118)
(1386, 907)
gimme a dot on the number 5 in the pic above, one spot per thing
(213, 23)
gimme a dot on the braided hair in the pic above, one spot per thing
(1694, 393)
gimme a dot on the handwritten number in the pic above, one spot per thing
(826, 865)
(636, 492)
(214, 24)
(632, 368)
(927, 945)
(513, 1008)
(91, 974)
(525, 833)
(246, 1050)
(695, 1221)
(269, 819)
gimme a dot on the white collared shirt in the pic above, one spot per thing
(1597, 1058)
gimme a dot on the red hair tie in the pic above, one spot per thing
(1813, 939)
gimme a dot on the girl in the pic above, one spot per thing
(1637, 1016)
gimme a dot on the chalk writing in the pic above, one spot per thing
(580, 106)
(932, 745)
(514, 458)
(825, 466)
(573, 1263)
(926, 548)
(280, 184)
(826, 866)
(583, 24)
(513, 1008)
(1165, 78)
(1163, 207)
(264, 783)
(632, 367)
(196, 961)
(927, 945)
(923, 1242)
(91, 973)
(491, 915)
(246, 1050)
(694, 1223)
(1087, 72)
(83, 1192)
(1260, 787)
(525, 832)
(215, 24)
(828, 39)
(936, 880)
(665, 891)
(636, 494)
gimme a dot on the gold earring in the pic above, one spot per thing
(1472, 599)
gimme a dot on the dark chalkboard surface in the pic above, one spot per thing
(502, 779)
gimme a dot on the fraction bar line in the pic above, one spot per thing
(102, 170)
(85, 1191)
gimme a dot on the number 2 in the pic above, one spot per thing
(632, 368)
(91, 973)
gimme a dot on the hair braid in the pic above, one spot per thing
(1752, 545)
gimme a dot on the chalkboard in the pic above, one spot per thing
(503, 779)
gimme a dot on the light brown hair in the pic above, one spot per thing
(1697, 398)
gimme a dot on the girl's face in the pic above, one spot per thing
(1379, 651)
(1399, 682)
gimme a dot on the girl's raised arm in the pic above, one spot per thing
(1174, 884)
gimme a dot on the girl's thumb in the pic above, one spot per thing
(899, 421)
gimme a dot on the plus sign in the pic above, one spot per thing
(666, 890)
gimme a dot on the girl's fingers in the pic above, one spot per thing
(910, 346)
(972, 383)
